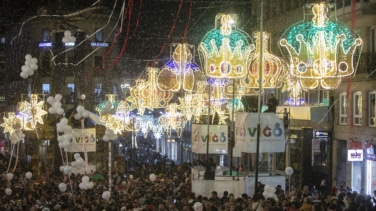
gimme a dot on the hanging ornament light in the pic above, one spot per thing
(274, 70)
(321, 51)
(145, 94)
(180, 72)
(11, 123)
(224, 51)
(173, 120)
(32, 112)
(107, 114)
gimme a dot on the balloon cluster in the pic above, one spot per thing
(81, 112)
(29, 67)
(16, 137)
(106, 195)
(79, 162)
(68, 37)
(109, 135)
(269, 192)
(63, 127)
(55, 103)
(85, 184)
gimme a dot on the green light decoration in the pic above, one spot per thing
(322, 51)
(224, 51)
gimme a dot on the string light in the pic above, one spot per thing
(12, 123)
(32, 112)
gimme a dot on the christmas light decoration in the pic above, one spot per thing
(179, 73)
(224, 51)
(173, 119)
(32, 112)
(145, 94)
(274, 70)
(321, 51)
(12, 123)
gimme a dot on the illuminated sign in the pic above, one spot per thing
(45, 44)
(321, 134)
(99, 44)
(355, 155)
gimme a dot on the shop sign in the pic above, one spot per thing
(370, 152)
(321, 134)
(355, 155)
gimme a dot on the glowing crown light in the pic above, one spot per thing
(321, 51)
(224, 51)
(274, 70)
(32, 112)
(145, 94)
(180, 72)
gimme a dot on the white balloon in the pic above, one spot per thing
(58, 97)
(90, 185)
(72, 39)
(289, 171)
(30, 72)
(67, 33)
(64, 121)
(85, 179)
(24, 68)
(152, 177)
(50, 100)
(83, 97)
(62, 187)
(67, 170)
(61, 168)
(33, 66)
(52, 110)
(34, 60)
(24, 75)
(60, 111)
(77, 155)
(65, 40)
(80, 108)
(8, 191)
(106, 195)
(85, 114)
(9, 176)
(29, 175)
(106, 138)
(83, 186)
(28, 57)
(77, 116)
(131, 176)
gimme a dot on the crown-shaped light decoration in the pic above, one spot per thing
(179, 73)
(173, 120)
(11, 123)
(321, 51)
(145, 94)
(32, 112)
(273, 71)
(224, 51)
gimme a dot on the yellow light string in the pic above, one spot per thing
(32, 112)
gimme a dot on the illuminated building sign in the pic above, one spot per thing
(370, 152)
(355, 155)
(321, 134)
(45, 44)
(99, 44)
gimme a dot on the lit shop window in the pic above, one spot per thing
(372, 108)
(357, 112)
(342, 108)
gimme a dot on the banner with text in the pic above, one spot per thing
(272, 135)
(83, 140)
(218, 139)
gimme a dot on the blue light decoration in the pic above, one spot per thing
(321, 51)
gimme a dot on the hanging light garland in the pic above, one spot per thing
(32, 112)
(11, 123)
(172, 120)
(321, 51)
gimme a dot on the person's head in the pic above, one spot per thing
(225, 193)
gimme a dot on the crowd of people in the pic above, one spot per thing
(170, 190)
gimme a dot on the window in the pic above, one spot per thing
(372, 108)
(46, 35)
(46, 88)
(373, 39)
(98, 35)
(342, 108)
(357, 116)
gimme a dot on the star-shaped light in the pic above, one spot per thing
(12, 123)
(32, 112)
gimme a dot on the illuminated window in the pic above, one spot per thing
(98, 35)
(372, 108)
(46, 35)
(46, 88)
(357, 112)
(342, 108)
